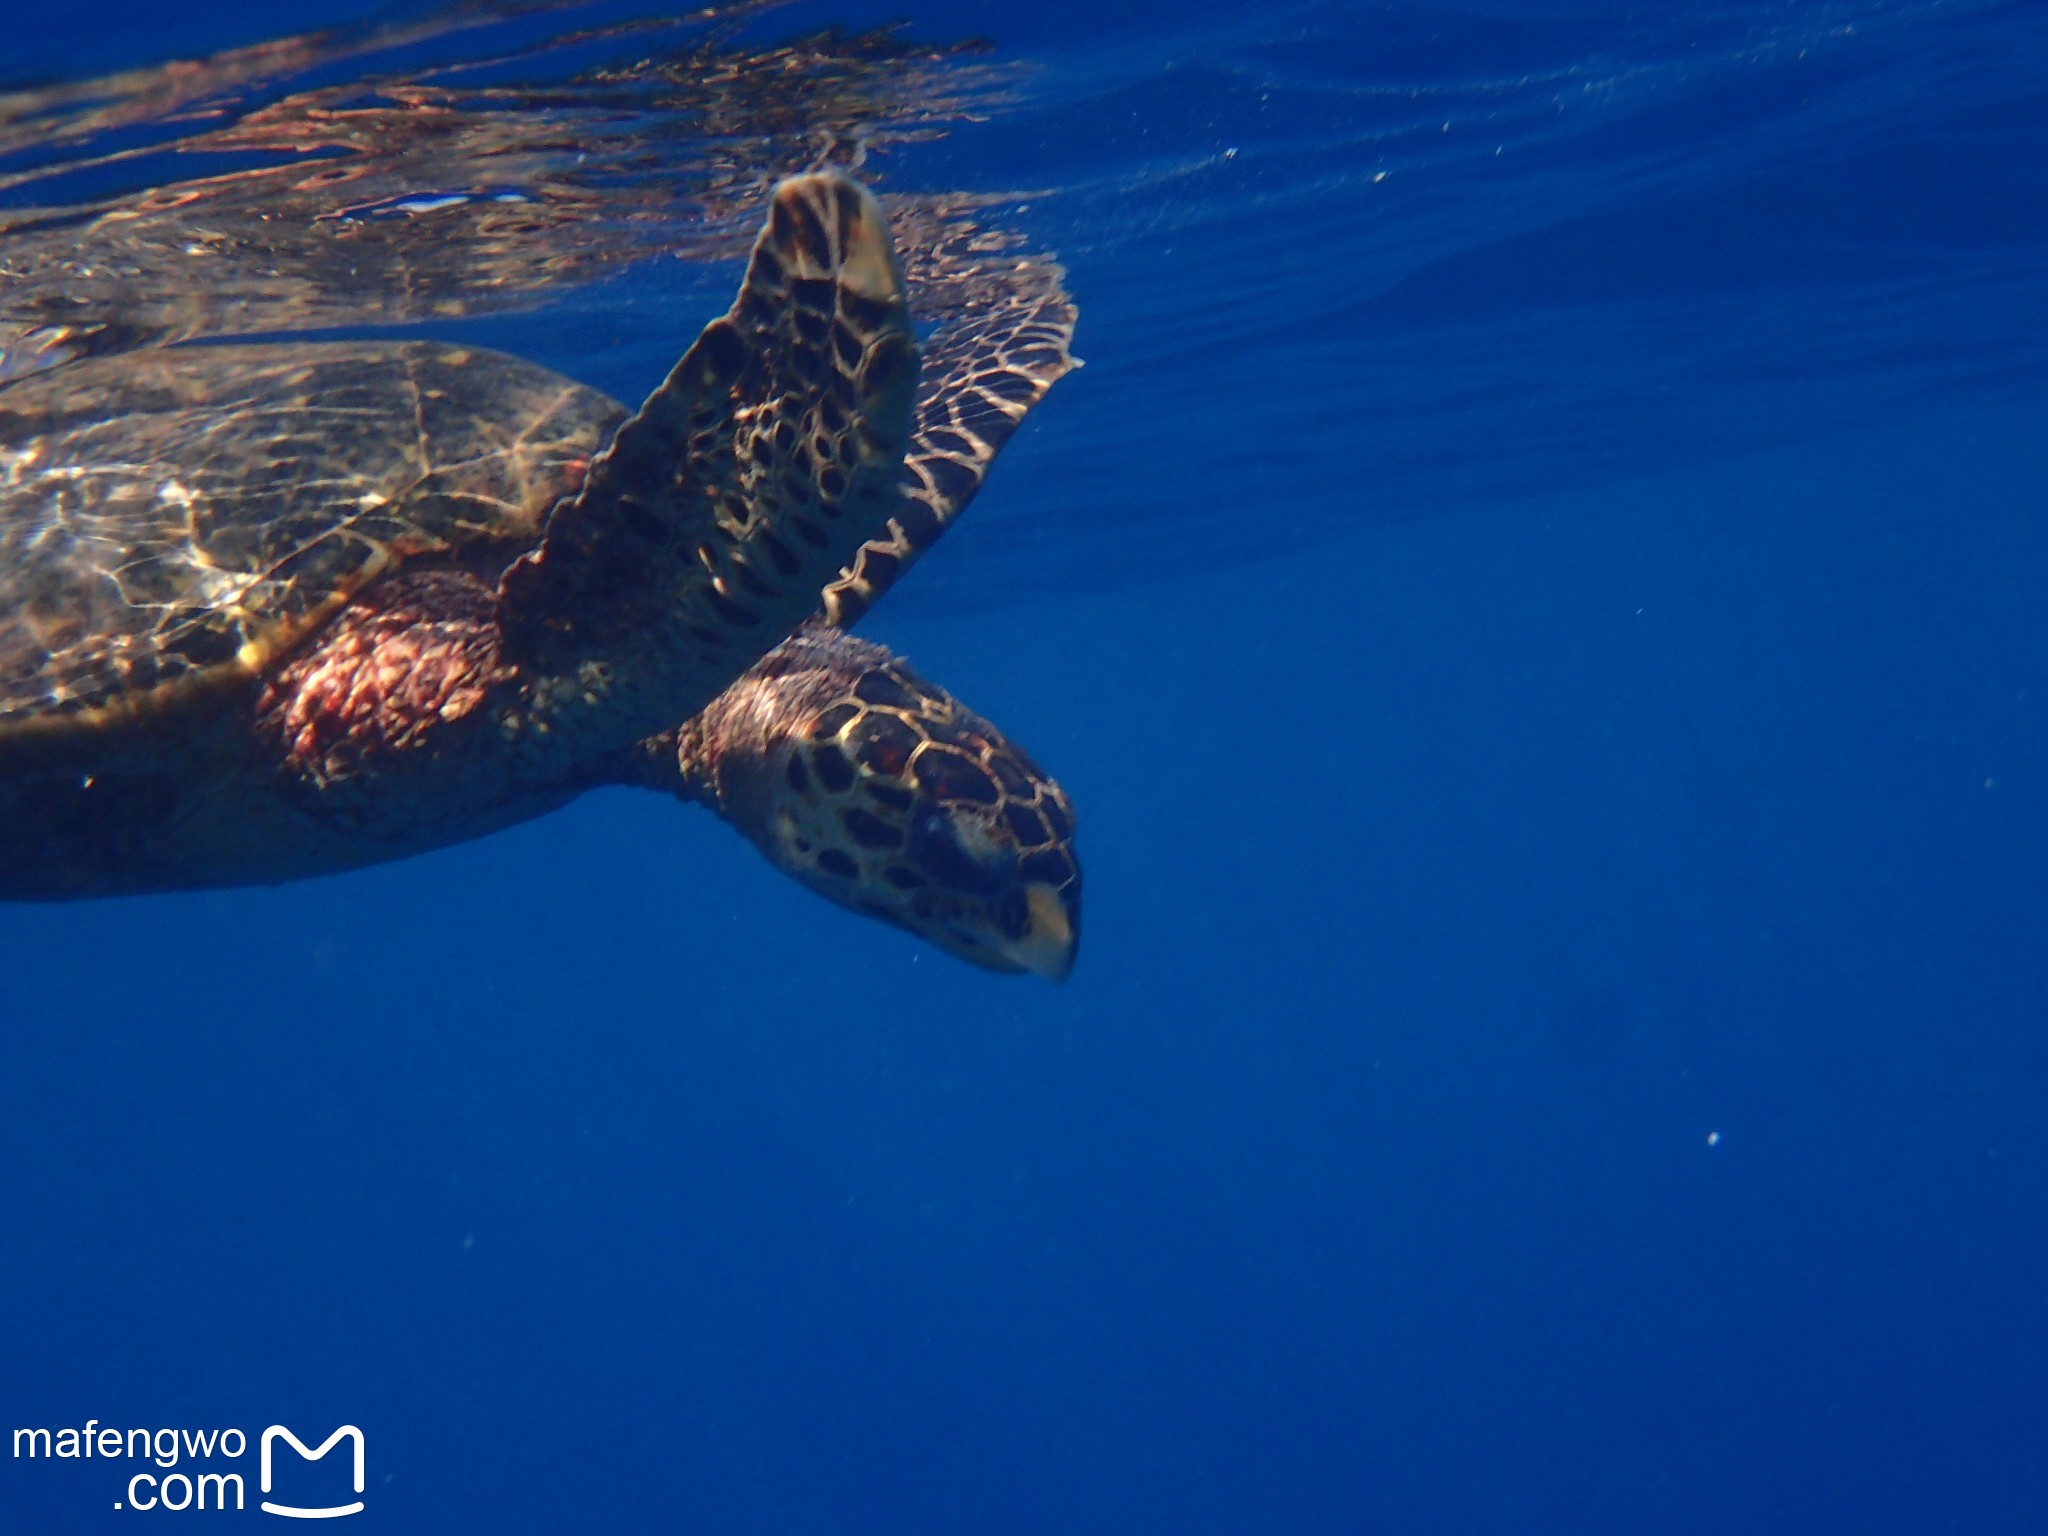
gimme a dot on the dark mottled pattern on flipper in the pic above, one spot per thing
(1002, 331)
(175, 515)
(767, 457)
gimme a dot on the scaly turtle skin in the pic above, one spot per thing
(269, 611)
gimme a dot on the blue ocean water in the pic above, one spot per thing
(1537, 596)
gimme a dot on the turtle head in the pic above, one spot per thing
(885, 795)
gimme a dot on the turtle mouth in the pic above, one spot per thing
(1052, 936)
(1045, 944)
(983, 908)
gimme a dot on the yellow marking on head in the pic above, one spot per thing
(1047, 948)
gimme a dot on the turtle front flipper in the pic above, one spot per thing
(705, 532)
(1002, 332)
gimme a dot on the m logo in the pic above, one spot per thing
(278, 1432)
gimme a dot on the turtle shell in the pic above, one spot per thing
(171, 519)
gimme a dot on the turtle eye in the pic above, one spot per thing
(935, 848)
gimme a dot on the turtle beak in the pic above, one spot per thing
(1048, 946)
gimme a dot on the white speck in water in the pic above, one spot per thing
(1713, 1138)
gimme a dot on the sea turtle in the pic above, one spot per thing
(274, 610)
